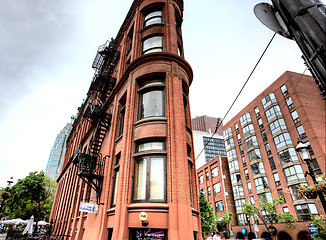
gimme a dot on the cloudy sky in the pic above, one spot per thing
(47, 49)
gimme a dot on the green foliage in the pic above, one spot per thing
(319, 221)
(32, 195)
(206, 214)
(222, 220)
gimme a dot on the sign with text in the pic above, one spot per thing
(88, 207)
(286, 190)
(149, 234)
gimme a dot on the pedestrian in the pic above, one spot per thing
(217, 236)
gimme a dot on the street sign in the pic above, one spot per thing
(313, 229)
(88, 207)
(286, 190)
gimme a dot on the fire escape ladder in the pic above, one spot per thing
(102, 127)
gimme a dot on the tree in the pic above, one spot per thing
(32, 195)
(206, 215)
(319, 221)
(222, 221)
(269, 209)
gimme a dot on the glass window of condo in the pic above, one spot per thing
(229, 143)
(265, 196)
(219, 206)
(153, 44)
(284, 90)
(301, 132)
(242, 219)
(236, 127)
(233, 165)
(238, 204)
(249, 188)
(268, 100)
(254, 155)
(304, 211)
(289, 103)
(264, 136)
(241, 149)
(272, 163)
(281, 193)
(154, 16)
(251, 142)
(293, 173)
(238, 191)
(276, 179)
(235, 177)
(247, 130)
(295, 117)
(277, 126)
(231, 154)
(295, 191)
(207, 176)
(282, 140)
(245, 118)
(257, 112)
(244, 163)
(201, 179)
(115, 179)
(151, 99)
(268, 149)
(227, 133)
(273, 112)
(261, 183)
(209, 191)
(239, 138)
(217, 187)
(287, 155)
(260, 123)
(246, 174)
(214, 172)
(257, 168)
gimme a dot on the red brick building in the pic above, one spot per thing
(207, 124)
(131, 149)
(260, 144)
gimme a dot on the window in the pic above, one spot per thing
(315, 167)
(153, 17)
(233, 165)
(151, 99)
(272, 163)
(254, 155)
(149, 179)
(219, 206)
(231, 154)
(273, 112)
(147, 146)
(236, 127)
(227, 133)
(241, 149)
(242, 219)
(263, 135)
(209, 191)
(282, 140)
(246, 174)
(293, 173)
(277, 180)
(238, 191)
(284, 90)
(268, 149)
(277, 126)
(217, 187)
(214, 147)
(295, 117)
(235, 177)
(247, 130)
(257, 168)
(301, 132)
(289, 103)
(249, 188)
(130, 36)
(287, 155)
(115, 179)
(152, 44)
(261, 183)
(207, 176)
(190, 167)
(121, 117)
(295, 191)
(286, 210)
(257, 112)
(245, 118)
(238, 204)
(239, 138)
(229, 143)
(201, 179)
(244, 163)
(265, 196)
(268, 100)
(304, 211)
(260, 123)
(215, 172)
(251, 142)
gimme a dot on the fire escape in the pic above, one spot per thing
(91, 165)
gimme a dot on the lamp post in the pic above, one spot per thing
(303, 151)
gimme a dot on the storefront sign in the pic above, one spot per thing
(88, 207)
(149, 234)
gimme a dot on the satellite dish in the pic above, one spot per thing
(265, 13)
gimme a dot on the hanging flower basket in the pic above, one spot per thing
(312, 191)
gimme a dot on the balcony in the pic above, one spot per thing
(86, 165)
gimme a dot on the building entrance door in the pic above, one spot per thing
(148, 234)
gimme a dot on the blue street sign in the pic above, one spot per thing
(313, 229)
(243, 231)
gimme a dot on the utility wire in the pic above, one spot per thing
(219, 123)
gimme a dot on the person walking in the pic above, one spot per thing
(217, 236)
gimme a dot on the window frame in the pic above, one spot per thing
(151, 11)
(150, 49)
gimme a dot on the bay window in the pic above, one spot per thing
(153, 44)
(155, 16)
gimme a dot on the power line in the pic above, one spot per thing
(218, 124)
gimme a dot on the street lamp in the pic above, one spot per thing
(304, 154)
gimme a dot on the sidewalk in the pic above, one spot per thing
(3, 236)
